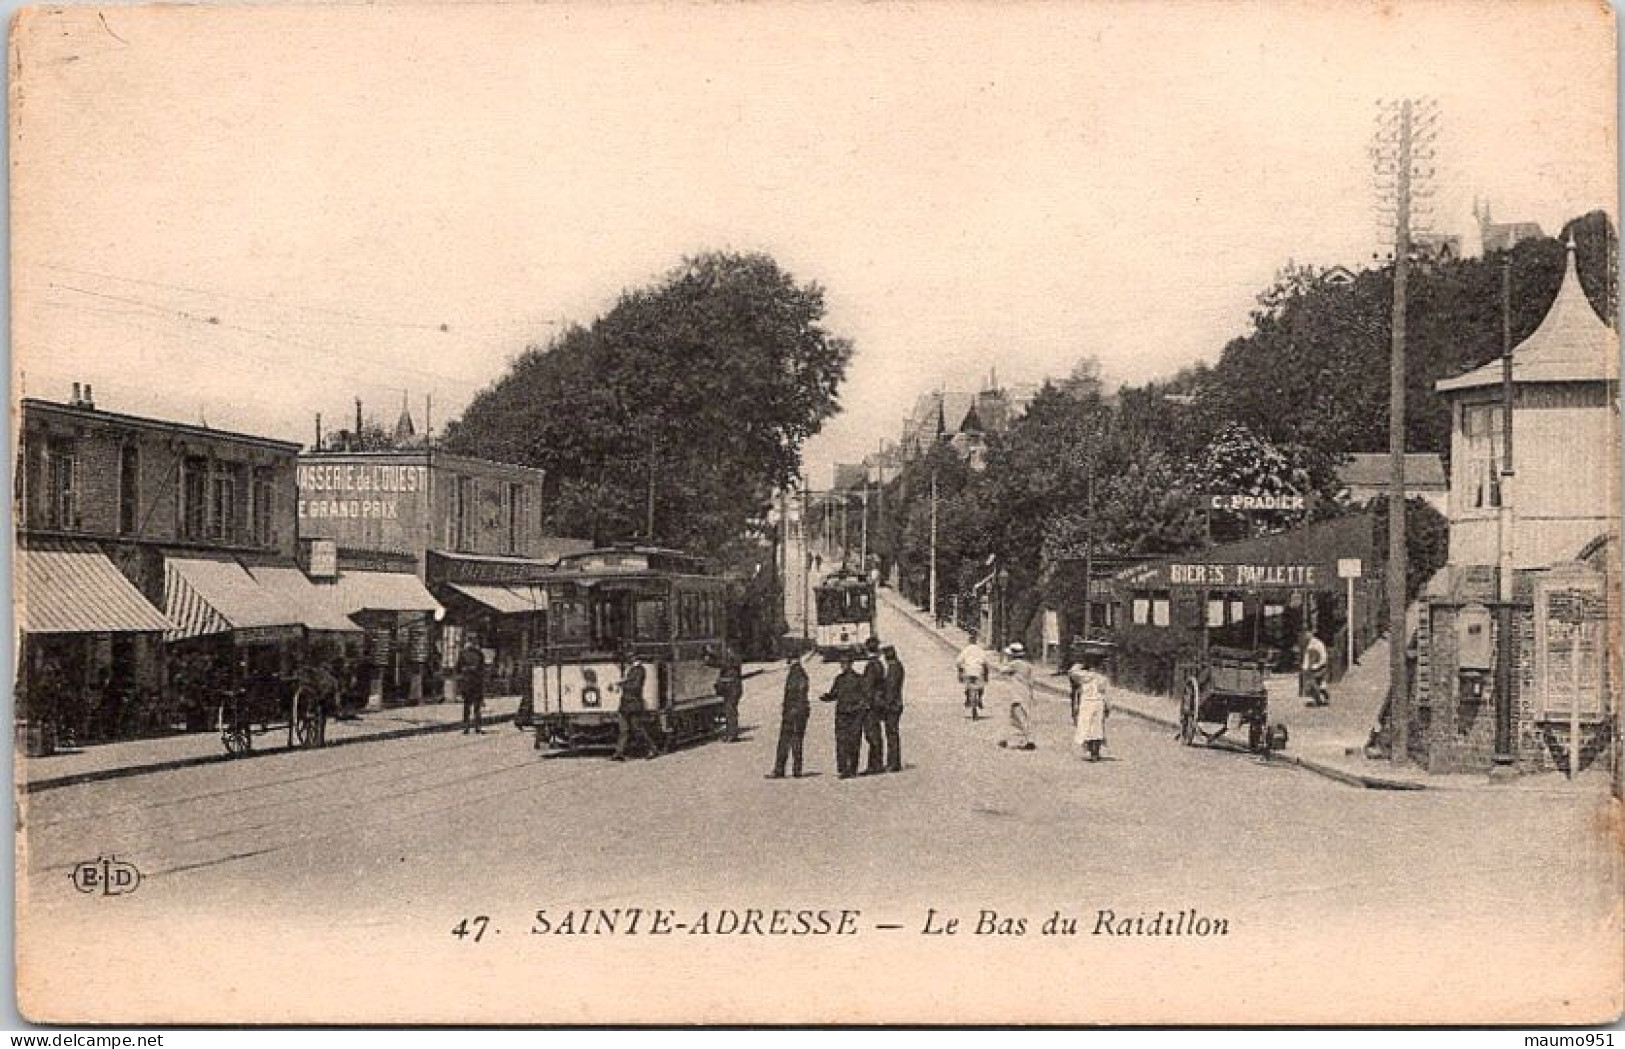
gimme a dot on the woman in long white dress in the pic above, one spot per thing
(1089, 685)
(1023, 709)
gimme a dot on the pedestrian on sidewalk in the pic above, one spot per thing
(792, 719)
(1092, 708)
(1023, 703)
(629, 714)
(851, 698)
(1314, 670)
(891, 709)
(471, 685)
(874, 678)
(972, 665)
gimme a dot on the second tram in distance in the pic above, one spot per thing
(845, 602)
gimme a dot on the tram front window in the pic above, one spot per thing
(610, 612)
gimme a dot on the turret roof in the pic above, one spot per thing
(1571, 345)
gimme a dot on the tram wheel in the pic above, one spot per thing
(1189, 701)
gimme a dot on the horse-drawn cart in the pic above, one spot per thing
(268, 703)
(1226, 687)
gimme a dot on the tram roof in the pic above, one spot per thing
(633, 560)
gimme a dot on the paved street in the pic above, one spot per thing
(347, 869)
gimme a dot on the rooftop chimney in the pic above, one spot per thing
(76, 398)
(90, 401)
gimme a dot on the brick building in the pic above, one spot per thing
(138, 540)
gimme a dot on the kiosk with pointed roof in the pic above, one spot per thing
(1559, 660)
(1564, 427)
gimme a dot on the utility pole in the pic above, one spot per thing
(806, 566)
(863, 556)
(933, 587)
(1504, 762)
(1402, 156)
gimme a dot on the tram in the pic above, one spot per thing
(603, 605)
(845, 602)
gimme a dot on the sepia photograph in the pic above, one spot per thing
(1082, 513)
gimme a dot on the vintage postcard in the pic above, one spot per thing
(1075, 513)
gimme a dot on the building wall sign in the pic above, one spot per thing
(1235, 502)
(1177, 576)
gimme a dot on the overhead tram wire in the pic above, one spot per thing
(189, 340)
(161, 310)
(354, 318)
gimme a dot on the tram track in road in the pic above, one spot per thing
(437, 752)
(401, 817)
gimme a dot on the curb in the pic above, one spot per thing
(97, 775)
(1351, 779)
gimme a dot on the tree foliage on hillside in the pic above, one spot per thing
(706, 384)
(1314, 369)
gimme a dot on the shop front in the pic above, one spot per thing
(230, 633)
(494, 603)
(90, 666)
(399, 617)
(1258, 594)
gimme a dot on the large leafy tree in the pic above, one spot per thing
(697, 392)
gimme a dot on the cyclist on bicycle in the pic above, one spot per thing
(972, 666)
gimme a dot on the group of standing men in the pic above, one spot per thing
(868, 708)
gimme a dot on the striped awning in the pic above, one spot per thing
(314, 602)
(356, 591)
(71, 587)
(507, 599)
(203, 596)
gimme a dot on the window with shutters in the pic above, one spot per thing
(195, 497)
(129, 488)
(1481, 456)
(61, 486)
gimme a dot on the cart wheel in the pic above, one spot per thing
(237, 738)
(1188, 702)
(305, 721)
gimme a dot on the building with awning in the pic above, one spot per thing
(68, 586)
(315, 607)
(1256, 593)
(218, 596)
(106, 501)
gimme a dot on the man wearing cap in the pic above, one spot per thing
(851, 698)
(874, 679)
(792, 720)
(891, 709)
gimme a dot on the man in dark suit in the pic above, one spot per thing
(851, 698)
(874, 678)
(630, 714)
(471, 684)
(792, 720)
(891, 709)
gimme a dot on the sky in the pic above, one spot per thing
(248, 215)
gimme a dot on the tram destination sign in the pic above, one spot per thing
(1240, 502)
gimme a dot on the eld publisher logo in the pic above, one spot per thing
(107, 875)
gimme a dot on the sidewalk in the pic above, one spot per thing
(137, 757)
(1328, 741)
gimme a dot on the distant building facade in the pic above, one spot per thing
(1365, 476)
